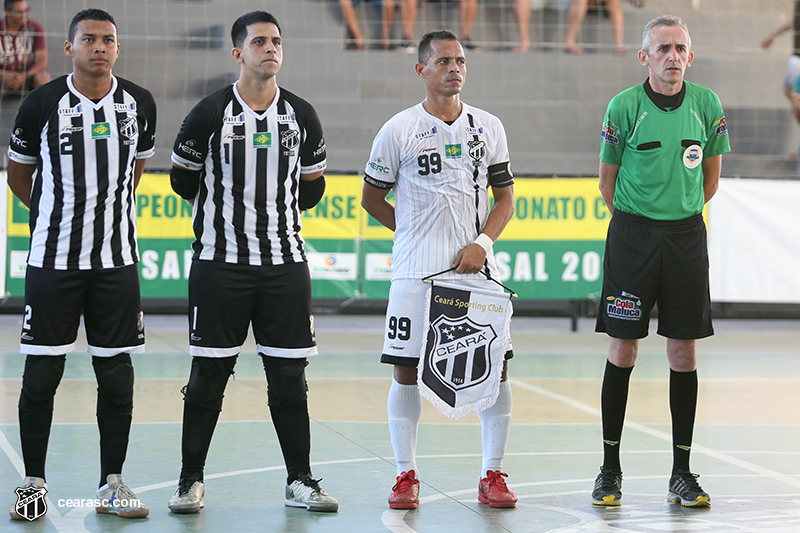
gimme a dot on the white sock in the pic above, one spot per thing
(405, 410)
(495, 429)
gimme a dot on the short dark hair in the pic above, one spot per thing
(8, 5)
(239, 28)
(424, 49)
(88, 14)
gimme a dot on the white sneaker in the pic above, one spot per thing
(188, 497)
(306, 492)
(116, 498)
(34, 509)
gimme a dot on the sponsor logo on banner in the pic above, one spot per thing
(693, 156)
(70, 111)
(341, 266)
(378, 266)
(262, 140)
(477, 150)
(101, 130)
(379, 165)
(721, 127)
(625, 307)
(125, 108)
(452, 151)
(608, 134)
(461, 357)
(31, 503)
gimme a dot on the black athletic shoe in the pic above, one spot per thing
(684, 489)
(607, 487)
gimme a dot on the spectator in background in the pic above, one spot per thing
(523, 9)
(793, 68)
(349, 15)
(24, 49)
(408, 17)
(576, 14)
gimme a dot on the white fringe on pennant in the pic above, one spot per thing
(496, 360)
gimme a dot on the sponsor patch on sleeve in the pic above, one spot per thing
(720, 127)
(610, 133)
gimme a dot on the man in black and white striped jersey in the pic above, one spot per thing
(87, 136)
(250, 158)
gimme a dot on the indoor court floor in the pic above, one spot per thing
(746, 445)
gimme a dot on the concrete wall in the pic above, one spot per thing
(551, 103)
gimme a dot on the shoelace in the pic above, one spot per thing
(689, 481)
(496, 478)
(309, 481)
(405, 477)
(186, 483)
(124, 493)
(608, 481)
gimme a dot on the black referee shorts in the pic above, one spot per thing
(225, 298)
(650, 262)
(108, 298)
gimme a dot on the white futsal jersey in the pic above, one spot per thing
(440, 175)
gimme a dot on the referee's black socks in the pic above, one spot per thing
(614, 399)
(682, 405)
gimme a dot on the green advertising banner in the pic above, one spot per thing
(552, 249)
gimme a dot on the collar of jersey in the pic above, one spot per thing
(86, 99)
(445, 124)
(259, 116)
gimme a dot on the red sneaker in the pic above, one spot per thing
(405, 493)
(494, 491)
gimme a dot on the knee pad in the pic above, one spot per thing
(40, 380)
(207, 381)
(286, 380)
(114, 384)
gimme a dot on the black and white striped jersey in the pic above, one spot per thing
(83, 206)
(246, 210)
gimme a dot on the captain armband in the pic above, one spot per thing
(185, 182)
(500, 175)
(310, 193)
(378, 184)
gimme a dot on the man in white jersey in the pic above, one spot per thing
(249, 158)
(440, 157)
(87, 136)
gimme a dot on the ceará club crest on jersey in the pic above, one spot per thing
(477, 150)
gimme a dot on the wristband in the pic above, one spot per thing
(484, 241)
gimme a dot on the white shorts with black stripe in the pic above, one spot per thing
(402, 341)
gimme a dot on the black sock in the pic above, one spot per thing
(682, 405)
(198, 428)
(114, 433)
(614, 399)
(34, 433)
(294, 434)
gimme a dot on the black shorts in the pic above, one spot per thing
(224, 299)
(650, 262)
(108, 298)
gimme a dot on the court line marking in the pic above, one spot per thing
(72, 522)
(722, 456)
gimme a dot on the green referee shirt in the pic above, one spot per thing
(660, 151)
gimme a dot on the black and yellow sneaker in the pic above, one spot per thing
(607, 487)
(684, 489)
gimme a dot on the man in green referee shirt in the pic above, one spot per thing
(660, 161)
